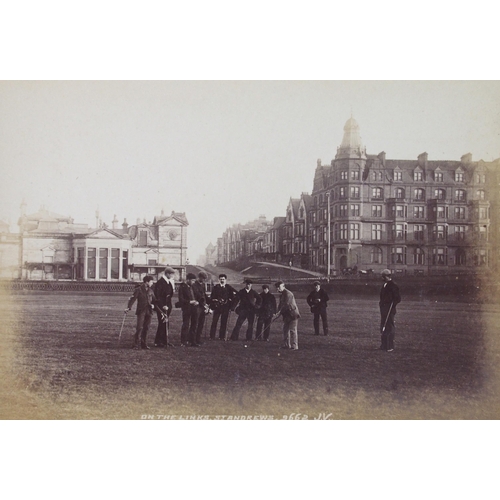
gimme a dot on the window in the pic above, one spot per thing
(440, 194)
(355, 210)
(460, 232)
(440, 212)
(301, 212)
(400, 231)
(417, 175)
(439, 256)
(343, 210)
(343, 231)
(483, 213)
(460, 257)
(418, 232)
(399, 255)
(418, 256)
(376, 210)
(376, 255)
(343, 175)
(400, 211)
(152, 262)
(459, 176)
(355, 175)
(398, 175)
(354, 192)
(480, 194)
(376, 232)
(419, 194)
(91, 263)
(354, 232)
(115, 263)
(460, 195)
(418, 212)
(80, 252)
(483, 233)
(377, 193)
(439, 232)
(400, 193)
(438, 176)
(459, 212)
(342, 193)
(125, 264)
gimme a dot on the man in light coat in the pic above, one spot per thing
(290, 312)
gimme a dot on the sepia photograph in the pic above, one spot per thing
(250, 249)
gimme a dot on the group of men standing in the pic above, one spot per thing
(195, 304)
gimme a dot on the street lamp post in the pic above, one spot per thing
(328, 237)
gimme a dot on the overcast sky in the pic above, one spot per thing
(222, 152)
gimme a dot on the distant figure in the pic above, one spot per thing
(164, 289)
(290, 312)
(247, 303)
(265, 314)
(200, 296)
(188, 304)
(221, 300)
(145, 304)
(389, 298)
(317, 301)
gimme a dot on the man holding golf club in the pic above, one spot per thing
(145, 305)
(389, 298)
(290, 312)
(265, 314)
(317, 301)
(164, 290)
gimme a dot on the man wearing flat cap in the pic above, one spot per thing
(247, 303)
(389, 298)
(317, 301)
(188, 303)
(164, 290)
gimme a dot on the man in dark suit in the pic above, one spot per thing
(221, 300)
(317, 301)
(389, 298)
(145, 303)
(247, 303)
(164, 290)
(200, 296)
(265, 314)
(188, 305)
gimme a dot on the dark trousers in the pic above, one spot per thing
(189, 321)
(242, 316)
(223, 314)
(263, 321)
(161, 331)
(387, 336)
(200, 323)
(324, 320)
(143, 322)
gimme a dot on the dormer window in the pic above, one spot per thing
(398, 175)
(417, 175)
(459, 176)
(438, 176)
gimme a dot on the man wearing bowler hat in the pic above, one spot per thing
(188, 305)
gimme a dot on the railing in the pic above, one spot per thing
(67, 286)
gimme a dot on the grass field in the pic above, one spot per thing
(62, 359)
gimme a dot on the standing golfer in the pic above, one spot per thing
(317, 301)
(389, 298)
(221, 301)
(188, 305)
(265, 314)
(200, 296)
(290, 312)
(249, 302)
(145, 305)
(164, 290)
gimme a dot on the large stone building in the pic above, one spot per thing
(412, 216)
(50, 246)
